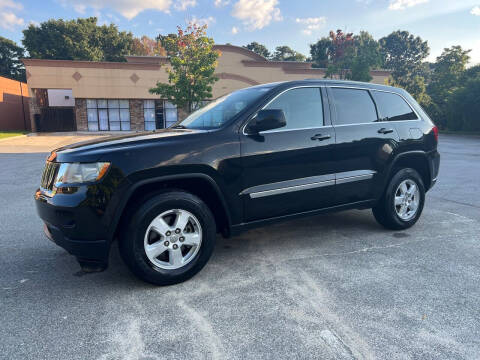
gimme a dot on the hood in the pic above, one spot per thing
(97, 149)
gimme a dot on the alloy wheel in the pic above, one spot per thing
(407, 200)
(173, 239)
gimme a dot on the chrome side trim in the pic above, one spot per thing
(356, 175)
(289, 183)
(353, 178)
(307, 183)
(260, 194)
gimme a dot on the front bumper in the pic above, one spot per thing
(96, 250)
(74, 225)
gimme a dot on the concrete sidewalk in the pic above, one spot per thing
(41, 143)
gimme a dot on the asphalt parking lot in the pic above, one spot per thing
(334, 286)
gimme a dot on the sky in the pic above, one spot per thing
(296, 23)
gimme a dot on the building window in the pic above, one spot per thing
(106, 115)
(158, 114)
(153, 114)
(170, 114)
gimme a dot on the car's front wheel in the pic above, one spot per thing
(402, 203)
(169, 238)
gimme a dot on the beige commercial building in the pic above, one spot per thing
(111, 96)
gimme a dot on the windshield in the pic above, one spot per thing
(222, 110)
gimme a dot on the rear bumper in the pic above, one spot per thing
(434, 161)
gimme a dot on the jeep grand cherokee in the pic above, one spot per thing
(259, 155)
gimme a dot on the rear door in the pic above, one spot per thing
(395, 109)
(291, 169)
(364, 144)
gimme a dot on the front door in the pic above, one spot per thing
(57, 119)
(291, 169)
(364, 145)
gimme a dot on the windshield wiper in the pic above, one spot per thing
(178, 127)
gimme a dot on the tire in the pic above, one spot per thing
(392, 211)
(152, 226)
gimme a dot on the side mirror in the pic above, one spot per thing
(267, 120)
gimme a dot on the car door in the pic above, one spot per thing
(364, 144)
(394, 108)
(291, 169)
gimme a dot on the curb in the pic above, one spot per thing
(13, 137)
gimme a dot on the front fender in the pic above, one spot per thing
(130, 188)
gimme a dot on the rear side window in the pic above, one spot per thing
(302, 107)
(353, 106)
(393, 107)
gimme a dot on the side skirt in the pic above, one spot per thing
(360, 205)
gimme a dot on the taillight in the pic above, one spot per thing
(435, 133)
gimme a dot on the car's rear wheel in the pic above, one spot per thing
(402, 203)
(169, 238)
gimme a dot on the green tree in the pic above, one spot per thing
(446, 78)
(464, 106)
(471, 73)
(80, 39)
(145, 46)
(285, 53)
(340, 54)
(347, 56)
(193, 62)
(259, 49)
(416, 87)
(319, 52)
(403, 53)
(10, 64)
(366, 56)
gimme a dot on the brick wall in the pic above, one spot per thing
(81, 114)
(14, 108)
(137, 122)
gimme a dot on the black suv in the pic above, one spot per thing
(259, 155)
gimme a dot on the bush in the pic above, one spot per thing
(464, 107)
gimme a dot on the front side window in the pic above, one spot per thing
(108, 115)
(393, 107)
(353, 106)
(302, 108)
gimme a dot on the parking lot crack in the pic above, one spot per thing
(370, 248)
(206, 330)
(454, 201)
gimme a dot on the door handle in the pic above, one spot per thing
(385, 131)
(321, 137)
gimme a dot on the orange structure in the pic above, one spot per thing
(14, 111)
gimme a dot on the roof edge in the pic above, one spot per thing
(239, 50)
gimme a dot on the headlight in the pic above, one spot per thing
(75, 173)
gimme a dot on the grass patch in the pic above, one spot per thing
(7, 134)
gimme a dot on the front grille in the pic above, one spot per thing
(49, 175)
